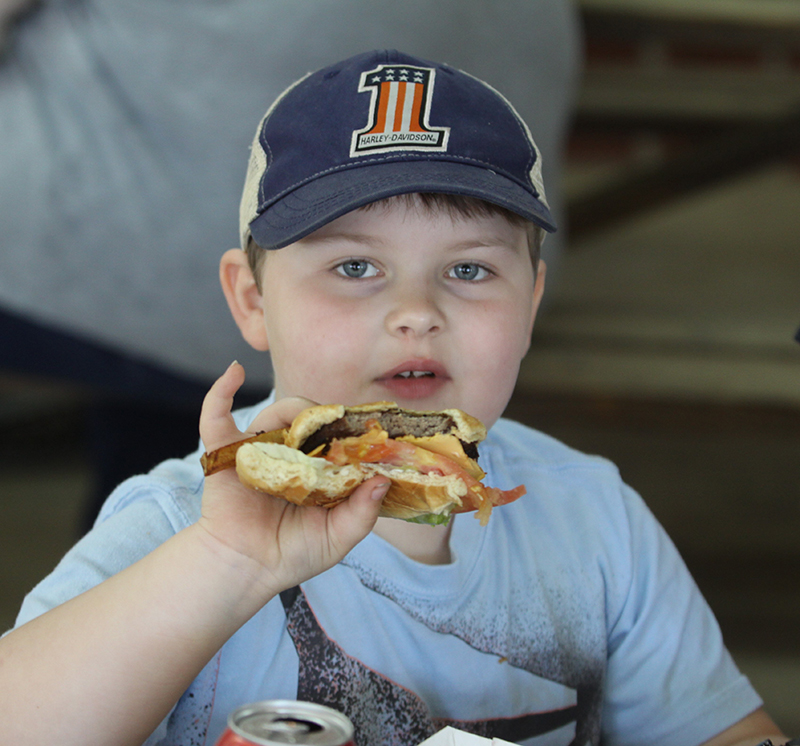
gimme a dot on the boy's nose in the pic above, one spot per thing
(415, 314)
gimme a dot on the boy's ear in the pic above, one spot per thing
(244, 298)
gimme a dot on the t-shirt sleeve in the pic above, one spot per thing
(141, 514)
(670, 679)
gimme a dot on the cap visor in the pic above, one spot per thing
(317, 203)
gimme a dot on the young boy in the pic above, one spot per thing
(390, 221)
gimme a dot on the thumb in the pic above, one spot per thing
(354, 518)
(217, 427)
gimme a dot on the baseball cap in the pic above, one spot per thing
(381, 124)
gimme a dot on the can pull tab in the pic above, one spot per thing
(292, 730)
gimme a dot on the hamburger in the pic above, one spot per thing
(430, 459)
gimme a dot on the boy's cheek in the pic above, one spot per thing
(504, 331)
(321, 352)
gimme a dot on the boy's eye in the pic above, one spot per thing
(357, 268)
(468, 271)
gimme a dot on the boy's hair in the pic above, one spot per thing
(455, 205)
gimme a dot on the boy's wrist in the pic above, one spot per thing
(244, 576)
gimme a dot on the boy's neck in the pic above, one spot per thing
(427, 544)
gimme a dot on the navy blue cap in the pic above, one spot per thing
(381, 124)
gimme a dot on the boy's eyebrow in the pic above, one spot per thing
(490, 241)
(357, 238)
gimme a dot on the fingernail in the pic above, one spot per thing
(379, 492)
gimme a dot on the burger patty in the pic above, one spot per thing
(395, 423)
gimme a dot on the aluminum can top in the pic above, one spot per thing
(280, 722)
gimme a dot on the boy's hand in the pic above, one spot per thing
(288, 543)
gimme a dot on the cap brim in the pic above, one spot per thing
(318, 202)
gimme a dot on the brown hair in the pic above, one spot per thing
(455, 205)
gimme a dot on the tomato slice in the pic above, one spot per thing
(375, 446)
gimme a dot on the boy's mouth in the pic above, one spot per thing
(417, 379)
(415, 374)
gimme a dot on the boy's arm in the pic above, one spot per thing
(107, 666)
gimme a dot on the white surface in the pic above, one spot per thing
(449, 736)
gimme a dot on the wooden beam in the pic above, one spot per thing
(763, 14)
(736, 153)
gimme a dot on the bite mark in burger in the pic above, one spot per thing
(429, 457)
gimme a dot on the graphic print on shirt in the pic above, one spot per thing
(382, 711)
(547, 624)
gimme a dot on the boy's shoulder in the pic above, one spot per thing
(559, 479)
(172, 490)
(173, 487)
(511, 441)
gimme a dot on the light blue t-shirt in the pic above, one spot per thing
(570, 618)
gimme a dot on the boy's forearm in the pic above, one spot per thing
(107, 666)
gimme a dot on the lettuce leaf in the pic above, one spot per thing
(431, 519)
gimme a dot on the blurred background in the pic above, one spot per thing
(667, 340)
(667, 344)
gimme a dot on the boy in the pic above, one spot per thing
(567, 619)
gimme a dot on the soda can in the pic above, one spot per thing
(282, 722)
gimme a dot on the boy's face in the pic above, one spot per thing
(403, 304)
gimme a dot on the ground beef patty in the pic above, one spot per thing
(396, 424)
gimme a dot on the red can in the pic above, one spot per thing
(279, 722)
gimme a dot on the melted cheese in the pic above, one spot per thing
(449, 446)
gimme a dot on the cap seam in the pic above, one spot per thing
(270, 159)
(526, 135)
